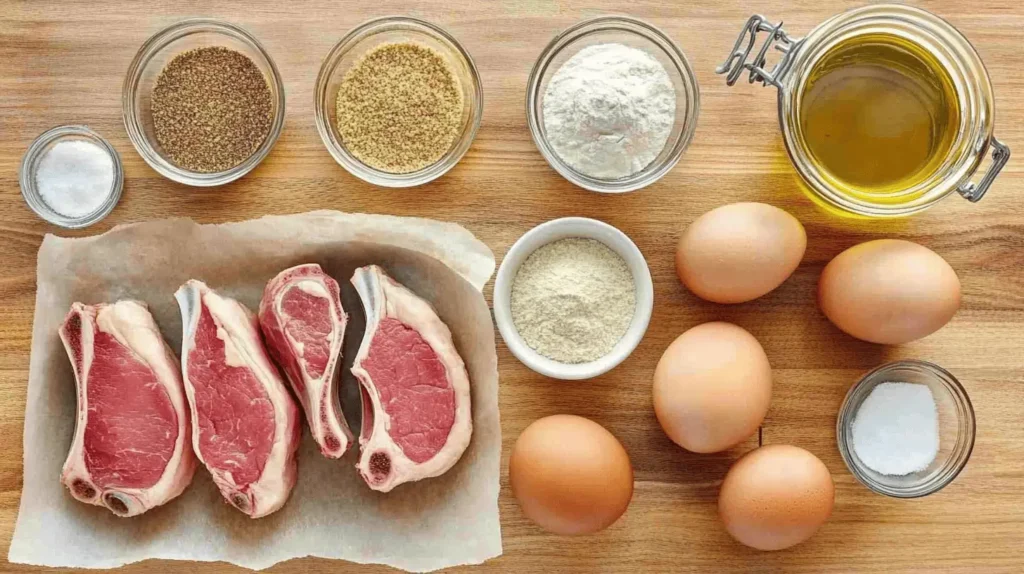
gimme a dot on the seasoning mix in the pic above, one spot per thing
(212, 109)
(399, 108)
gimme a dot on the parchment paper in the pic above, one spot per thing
(427, 525)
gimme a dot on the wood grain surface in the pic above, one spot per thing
(65, 62)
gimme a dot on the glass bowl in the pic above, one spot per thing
(156, 53)
(637, 34)
(351, 48)
(27, 179)
(956, 429)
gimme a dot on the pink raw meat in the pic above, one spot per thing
(415, 389)
(245, 423)
(304, 325)
(131, 449)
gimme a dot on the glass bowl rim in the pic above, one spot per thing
(150, 48)
(681, 66)
(357, 168)
(952, 467)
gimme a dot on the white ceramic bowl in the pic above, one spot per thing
(546, 233)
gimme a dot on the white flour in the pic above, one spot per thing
(573, 299)
(609, 110)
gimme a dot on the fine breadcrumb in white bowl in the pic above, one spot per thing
(553, 233)
(573, 300)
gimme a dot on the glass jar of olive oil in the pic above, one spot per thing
(885, 109)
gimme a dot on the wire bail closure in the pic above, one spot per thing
(736, 62)
(973, 192)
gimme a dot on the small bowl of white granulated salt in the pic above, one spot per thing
(71, 177)
(906, 429)
(612, 104)
(573, 298)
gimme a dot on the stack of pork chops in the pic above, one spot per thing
(143, 421)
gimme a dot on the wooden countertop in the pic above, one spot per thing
(64, 63)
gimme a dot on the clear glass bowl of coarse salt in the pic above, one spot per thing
(71, 177)
(431, 45)
(612, 104)
(906, 429)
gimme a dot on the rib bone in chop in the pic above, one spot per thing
(132, 445)
(415, 390)
(304, 326)
(245, 425)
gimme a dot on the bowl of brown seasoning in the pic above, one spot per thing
(398, 102)
(203, 102)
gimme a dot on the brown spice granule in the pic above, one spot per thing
(399, 107)
(211, 108)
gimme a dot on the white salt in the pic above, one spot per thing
(896, 429)
(75, 177)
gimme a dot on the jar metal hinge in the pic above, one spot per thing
(975, 191)
(736, 63)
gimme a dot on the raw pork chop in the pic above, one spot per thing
(245, 425)
(131, 448)
(416, 410)
(304, 326)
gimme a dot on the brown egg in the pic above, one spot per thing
(739, 252)
(570, 475)
(889, 291)
(776, 497)
(712, 387)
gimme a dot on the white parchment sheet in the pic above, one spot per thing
(422, 526)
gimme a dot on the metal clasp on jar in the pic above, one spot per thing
(975, 191)
(737, 60)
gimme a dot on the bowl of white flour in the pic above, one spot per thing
(612, 104)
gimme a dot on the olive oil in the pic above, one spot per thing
(879, 115)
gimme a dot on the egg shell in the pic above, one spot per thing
(889, 291)
(570, 475)
(739, 252)
(775, 497)
(712, 387)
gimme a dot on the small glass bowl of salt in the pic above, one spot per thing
(906, 429)
(71, 177)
